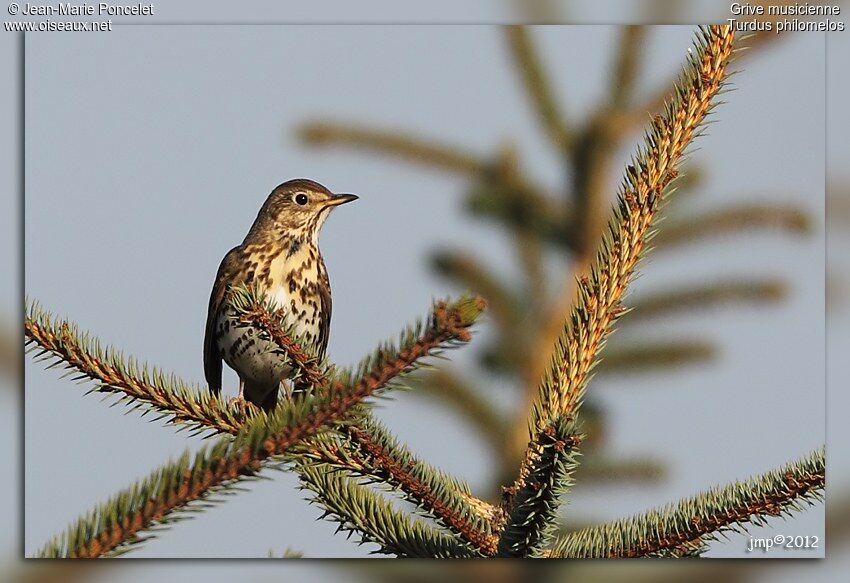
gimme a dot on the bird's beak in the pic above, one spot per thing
(338, 199)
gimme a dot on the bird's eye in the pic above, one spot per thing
(301, 198)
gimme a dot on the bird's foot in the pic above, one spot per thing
(247, 408)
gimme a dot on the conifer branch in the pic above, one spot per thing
(326, 433)
(173, 490)
(368, 450)
(731, 220)
(371, 451)
(689, 524)
(134, 383)
(447, 326)
(700, 297)
(599, 302)
(168, 493)
(118, 522)
(358, 509)
(173, 398)
(634, 118)
(538, 87)
(394, 143)
(531, 523)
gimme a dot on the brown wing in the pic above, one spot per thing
(324, 310)
(212, 356)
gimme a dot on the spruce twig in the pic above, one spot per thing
(600, 294)
(368, 450)
(134, 383)
(173, 398)
(687, 525)
(534, 505)
(632, 119)
(169, 492)
(307, 367)
(179, 487)
(359, 510)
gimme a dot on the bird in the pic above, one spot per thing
(280, 258)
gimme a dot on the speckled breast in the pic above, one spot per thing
(254, 359)
(257, 360)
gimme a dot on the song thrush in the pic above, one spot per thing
(280, 256)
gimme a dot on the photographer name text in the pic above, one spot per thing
(86, 9)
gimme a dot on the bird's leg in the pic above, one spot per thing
(240, 402)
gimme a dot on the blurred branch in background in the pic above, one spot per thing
(838, 228)
(404, 146)
(540, 90)
(655, 356)
(444, 384)
(635, 470)
(625, 70)
(734, 220)
(10, 353)
(731, 292)
(838, 204)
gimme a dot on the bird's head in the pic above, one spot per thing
(298, 207)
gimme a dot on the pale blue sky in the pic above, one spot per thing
(150, 149)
